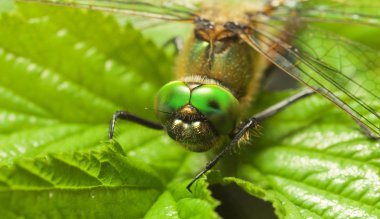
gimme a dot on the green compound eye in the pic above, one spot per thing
(170, 98)
(218, 105)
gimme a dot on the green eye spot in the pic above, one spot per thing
(218, 105)
(170, 98)
(213, 104)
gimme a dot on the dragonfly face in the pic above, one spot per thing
(197, 115)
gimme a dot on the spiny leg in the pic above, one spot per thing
(250, 123)
(130, 117)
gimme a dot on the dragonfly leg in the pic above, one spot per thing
(247, 125)
(270, 111)
(130, 117)
(177, 42)
(251, 122)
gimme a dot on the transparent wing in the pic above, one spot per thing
(345, 72)
(167, 10)
(364, 12)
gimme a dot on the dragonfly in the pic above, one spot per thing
(223, 62)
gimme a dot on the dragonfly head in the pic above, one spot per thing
(199, 116)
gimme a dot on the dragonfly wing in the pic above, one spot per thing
(165, 11)
(364, 12)
(345, 72)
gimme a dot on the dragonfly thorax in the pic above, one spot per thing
(199, 116)
(216, 52)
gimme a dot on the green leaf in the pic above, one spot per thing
(63, 72)
(59, 87)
